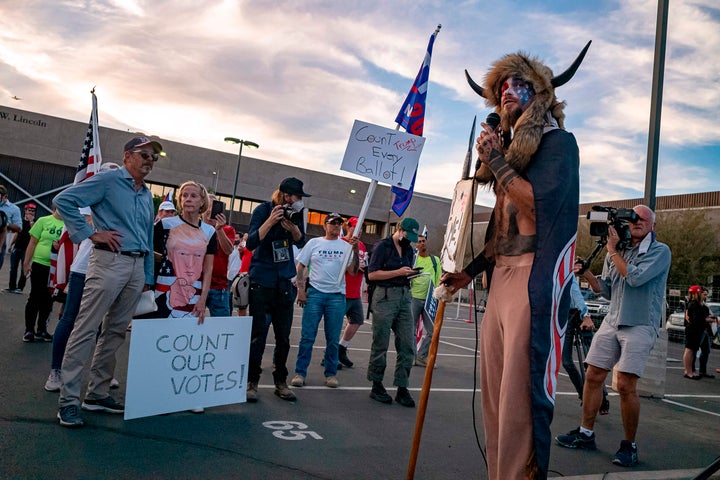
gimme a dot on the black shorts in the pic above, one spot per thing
(354, 311)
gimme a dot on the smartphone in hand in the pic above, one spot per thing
(217, 207)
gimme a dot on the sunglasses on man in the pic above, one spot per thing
(147, 155)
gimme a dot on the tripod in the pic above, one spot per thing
(578, 341)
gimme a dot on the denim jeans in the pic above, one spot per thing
(331, 306)
(277, 304)
(217, 302)
(17, 257)
(76, 285)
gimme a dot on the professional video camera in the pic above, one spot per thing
(600, 219)
(620, 218)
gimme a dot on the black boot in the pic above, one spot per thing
(342, 356)
(403, 397)
(379, 393)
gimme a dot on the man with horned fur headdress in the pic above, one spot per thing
(532, 164)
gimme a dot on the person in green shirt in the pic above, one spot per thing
(419, 286)
(44, 235)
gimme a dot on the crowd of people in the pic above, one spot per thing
(190, 257)
(120, 247)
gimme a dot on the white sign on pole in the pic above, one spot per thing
(456, 234)
(383, 154)
(176, 364)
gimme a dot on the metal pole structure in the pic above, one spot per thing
(237, 170)
(237, 173)
(656, 104)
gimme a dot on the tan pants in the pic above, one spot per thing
(505, 370)
(112, 290)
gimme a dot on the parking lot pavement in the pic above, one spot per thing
(328, 433)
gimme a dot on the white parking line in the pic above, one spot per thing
(714, 414)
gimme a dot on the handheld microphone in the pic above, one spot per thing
(492, 121)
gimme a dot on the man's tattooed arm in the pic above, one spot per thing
(516, 187)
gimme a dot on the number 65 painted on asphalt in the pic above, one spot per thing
(284, 430)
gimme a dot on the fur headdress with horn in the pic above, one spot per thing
(528, 130)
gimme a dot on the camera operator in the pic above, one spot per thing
(634, 280)
(275, 227)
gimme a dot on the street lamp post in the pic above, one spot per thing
(248, 144)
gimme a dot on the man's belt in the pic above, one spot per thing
(106, 247)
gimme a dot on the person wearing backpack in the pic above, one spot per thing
(390, 266)
(430, 271)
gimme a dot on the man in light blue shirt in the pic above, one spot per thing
(12, 218)
(634, 280)
(120, 267)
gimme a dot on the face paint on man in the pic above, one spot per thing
(519, 89)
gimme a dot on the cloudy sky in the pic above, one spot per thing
(294, 75)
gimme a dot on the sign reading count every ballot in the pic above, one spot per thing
(383, 154)
(176, 364)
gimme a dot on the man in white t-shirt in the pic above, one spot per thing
(323, 295)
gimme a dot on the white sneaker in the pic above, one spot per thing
(298, 381)
(114, 383)
(54, 381)
(197, 410)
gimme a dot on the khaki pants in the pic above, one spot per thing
(112, 290)
(505, 370)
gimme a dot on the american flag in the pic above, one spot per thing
(90, 160)
(412, 118)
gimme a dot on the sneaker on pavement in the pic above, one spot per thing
(54, 381)
(379, 393)
(252, 391)
(16, 290)
(114, 383)
(627, 456)
(69, 416)
(29, 337)
(106, 404)
(284, 392)
(343, 358)
(403, 397)
(576, 439)
(43, 337)
(421, 361)
(331, 382)
(298, 381)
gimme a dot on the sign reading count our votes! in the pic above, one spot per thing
(176, 364)
(382, 154)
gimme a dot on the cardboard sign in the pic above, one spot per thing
(176, 364)
(456, 234)
(382, 154)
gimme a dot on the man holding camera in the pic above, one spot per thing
(275, 227)
(634, 280)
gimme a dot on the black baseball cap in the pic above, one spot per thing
(293, 186)
(333, 216)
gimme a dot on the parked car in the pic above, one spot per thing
(598, 306)
(675, 324)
